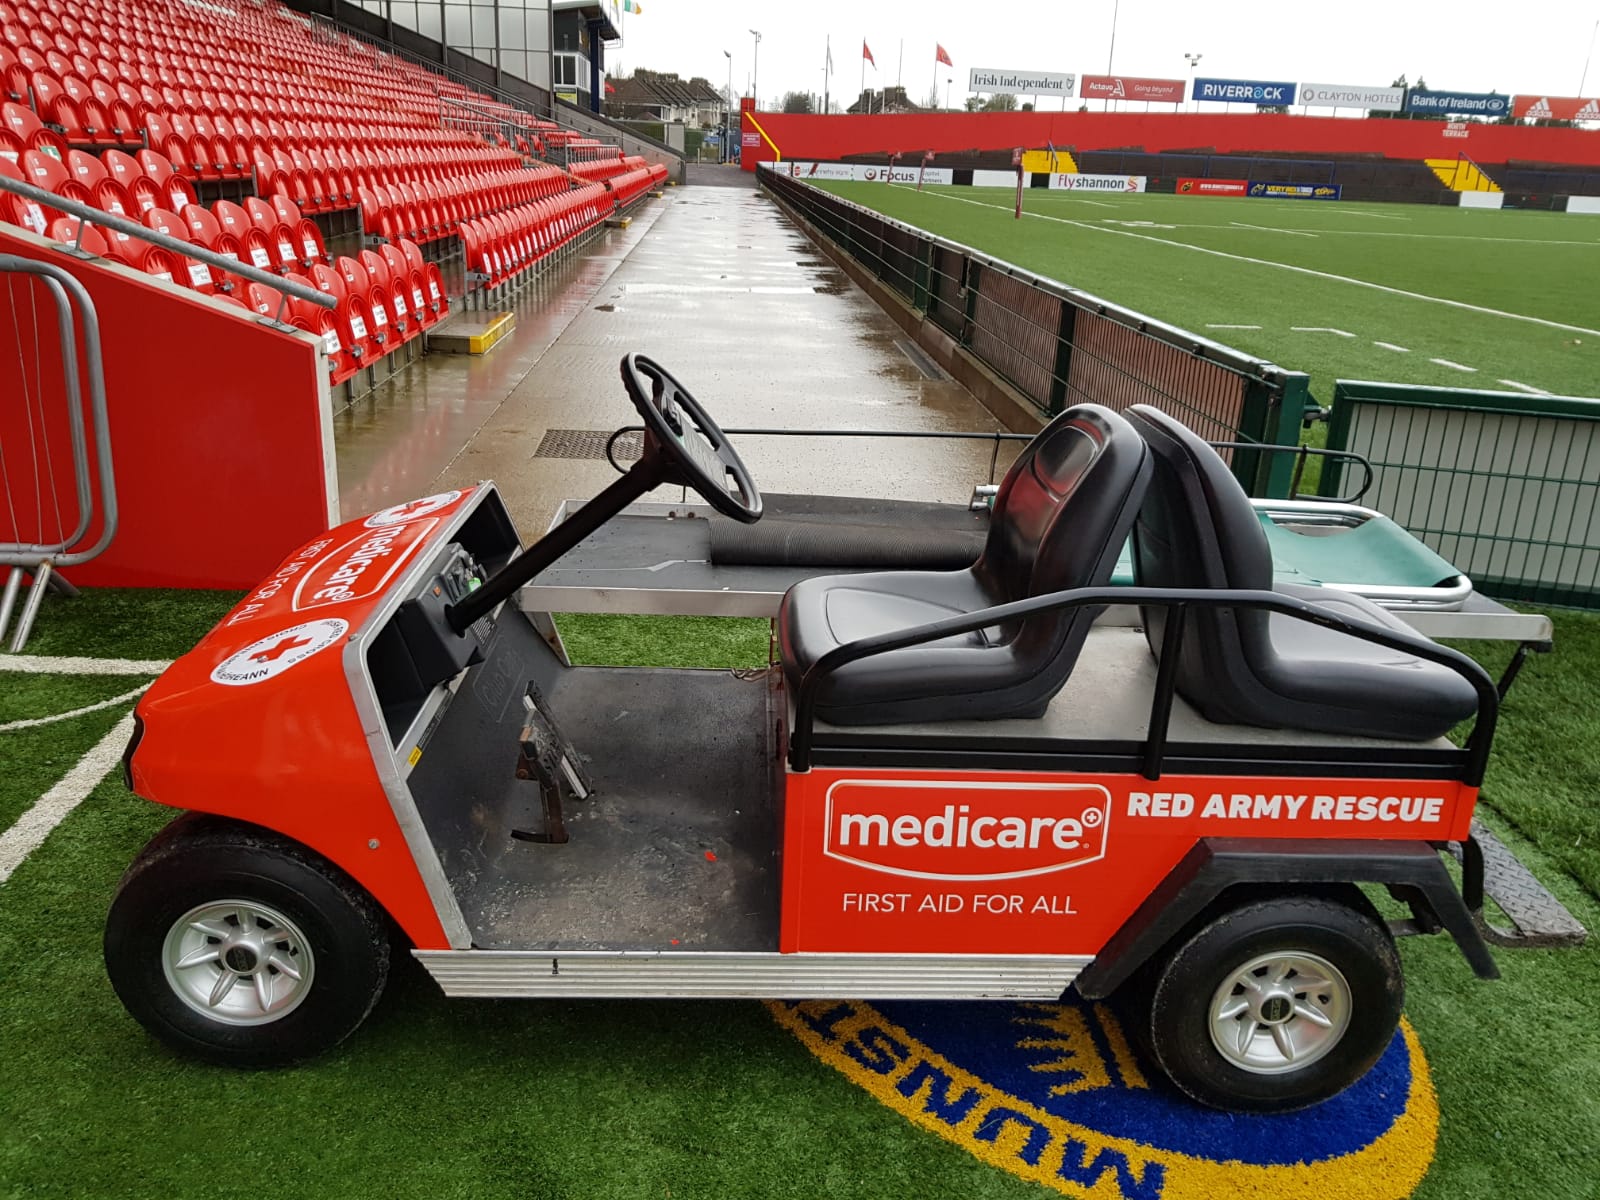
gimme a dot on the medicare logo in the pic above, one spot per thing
(276, 653)
(1056, 1094)
(966, 831)
(362, 566)
(412, 509)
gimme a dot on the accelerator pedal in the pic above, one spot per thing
(1538, 919)
(544, 754)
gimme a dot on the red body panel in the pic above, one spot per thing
(257, 722)
(981, 862)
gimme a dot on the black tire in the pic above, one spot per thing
(339, 933)
(1185, 990)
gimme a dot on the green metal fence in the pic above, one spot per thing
(1505, 486)
(1057, 346)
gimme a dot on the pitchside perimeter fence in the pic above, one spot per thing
(1506, 486)
(1057, 347)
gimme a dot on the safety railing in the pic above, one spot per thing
(60, 526)
(1505, 486)
(628, 443)
(1475, 753)
(1057, 346)
(93, 217)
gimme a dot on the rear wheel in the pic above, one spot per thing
(1275, 1005)
(241, 947)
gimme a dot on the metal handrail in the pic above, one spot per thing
(1181, 599)
(998, 436)
(59, 283)
(88, 215)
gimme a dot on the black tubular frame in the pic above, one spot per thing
(999, 436)
(1181, 599)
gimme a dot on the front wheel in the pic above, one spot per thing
(1276, 1004)
(240, 947)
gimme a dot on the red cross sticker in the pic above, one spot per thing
(405, 510)
(282, 648)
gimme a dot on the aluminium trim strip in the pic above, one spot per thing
(750, 975)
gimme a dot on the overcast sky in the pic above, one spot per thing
(1471, 46)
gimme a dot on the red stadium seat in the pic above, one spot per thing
(66, 230)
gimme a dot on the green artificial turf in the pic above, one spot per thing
(127, 622)
(436, 1098)
(1137, 251)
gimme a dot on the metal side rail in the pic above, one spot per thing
(1538, 919)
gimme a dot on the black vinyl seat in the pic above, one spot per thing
(1242, 666)
(1060, 519)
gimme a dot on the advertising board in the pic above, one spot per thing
(1559, 108)
(1348, 95)
(1293, 191)
(1006, 81)
(1244, 91)
(1065, 181)
(1129, 87)
(1480, 104)
(1212, 187)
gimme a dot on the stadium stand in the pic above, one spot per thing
(237, 129)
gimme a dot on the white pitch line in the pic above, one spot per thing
(1267, 262)
(1273, 229)
(35, 722)
(1233, 327)
(38, 664)
(1454, 366)
(50, 809)
(1377, 287)
(1350, 212)
(1319, 329)
(1392, 346)
(1522, 387)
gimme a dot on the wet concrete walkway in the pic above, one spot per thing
(717, 286)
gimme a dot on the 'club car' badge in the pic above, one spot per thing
(276, 653)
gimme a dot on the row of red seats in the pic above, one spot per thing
(425, 210)
(271, 236)
(230, 89)
(385, 298)
(502, 246)
(630, 185)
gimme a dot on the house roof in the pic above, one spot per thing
(658, 87)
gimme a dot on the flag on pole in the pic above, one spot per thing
(866, 53)
(631, 6)
(941, 55)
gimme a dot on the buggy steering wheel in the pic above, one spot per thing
(697, 454)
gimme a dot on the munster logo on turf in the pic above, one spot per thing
(1054, 1093)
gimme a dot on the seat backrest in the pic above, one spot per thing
(1197, 529)
(1061, 517)
(1076, 477)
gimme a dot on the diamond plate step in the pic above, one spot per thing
(1538, 918)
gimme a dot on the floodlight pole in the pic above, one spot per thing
(1582, 83)
(1111, 54)
(1193, 60)
(755, 66)
(727, 122)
